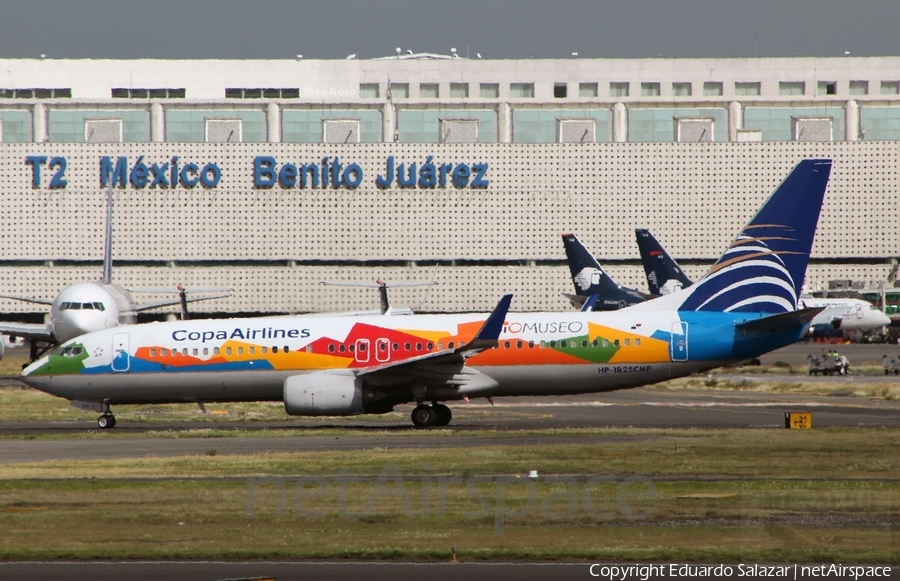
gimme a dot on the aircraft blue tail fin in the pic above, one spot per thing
(588, 277)
(659, 267)
(763, 270)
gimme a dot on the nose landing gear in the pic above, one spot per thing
(107, 421)
(435, 415)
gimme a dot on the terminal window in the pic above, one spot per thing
(224, 131)
(429, 90)
(260, 93)
(859, 87)
(587, 90)
(35, 93)
(618, 89)
(890, 88)
(826, 88)
(399, 91)
(650, 90)
(787, 88)
(560, 90)
(521, 90)
(681, 89)
(368, 90)
(340, 130)
(748, 89)
(712, 89)
(489, 91)
(125, 93)
(459, 90)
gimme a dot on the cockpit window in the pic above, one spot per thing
(69, 350)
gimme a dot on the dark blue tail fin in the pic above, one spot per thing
(663, 273)
(764, 268)
(590, 279)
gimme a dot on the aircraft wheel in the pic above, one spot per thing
(107, 421)
(444, 415)
(424, 416)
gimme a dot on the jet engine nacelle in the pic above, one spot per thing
(323, 393)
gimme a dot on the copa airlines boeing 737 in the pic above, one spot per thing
(84, 307)
(344, 365)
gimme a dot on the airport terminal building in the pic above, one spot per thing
(271, 176)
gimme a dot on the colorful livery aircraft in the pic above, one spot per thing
(344, 365)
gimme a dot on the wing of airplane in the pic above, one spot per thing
(170, 302)
(29, 330)
(27, 299)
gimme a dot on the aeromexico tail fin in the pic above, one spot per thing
(663, 273)
(764, 268)
(107, 249)
(587, 275)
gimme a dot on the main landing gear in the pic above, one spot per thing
(107, 421)
(427, 416)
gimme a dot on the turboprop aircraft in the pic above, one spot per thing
(87, 306)
(345, 365)
(594, 289)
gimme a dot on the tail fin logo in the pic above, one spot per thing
(751, 276)
(588, 277)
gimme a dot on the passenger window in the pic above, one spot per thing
(184, 351)
(331, 348)
(153, 353)
(450, 345)
(206, 350)
(251, 350)
(506, 344)
(605, 343)
(519, 344)
(616, 342)
(430, 346)
(240, 350)
(286, 348)
(543, 344)
(637, 342)
(407, 346)
(215, 350)
(228, 351)
(418, 346)
(628, 342)
(552, 344)
(362, 348)
(342, 348)
(396, 346)
(596, 342)
(440, 345)
(531, 344)
(164, 352)
(264, 350)
(274, 349)
(196, 352)
(382, 347)
(350, 348)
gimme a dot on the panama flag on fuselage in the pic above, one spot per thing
(764, 268)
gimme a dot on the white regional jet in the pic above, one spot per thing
(844, 314)
(85, 307)
(344, 365)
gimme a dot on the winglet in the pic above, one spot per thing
(493, 326)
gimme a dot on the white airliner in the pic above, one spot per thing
(85, 307)
(344, 365)
(844, 314)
